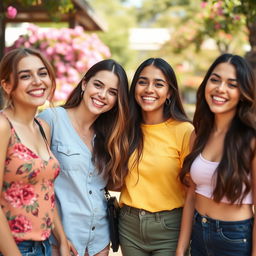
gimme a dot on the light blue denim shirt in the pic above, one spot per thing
(79, 188)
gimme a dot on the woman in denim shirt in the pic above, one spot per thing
(89, 138)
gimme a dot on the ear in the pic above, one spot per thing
(83, 85)
(7, 87)
(169, 94)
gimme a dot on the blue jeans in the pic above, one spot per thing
(212, 237)
(34, 248)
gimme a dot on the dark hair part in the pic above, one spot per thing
(234, 170)
(110, 151)
(9, 63)
(173, 110)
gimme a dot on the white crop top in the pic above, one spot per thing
(202, 174)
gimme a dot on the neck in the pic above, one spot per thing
(222, 123)
(82, 118)
(152, 118)
(21, 115)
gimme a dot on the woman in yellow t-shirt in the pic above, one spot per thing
(152, 196)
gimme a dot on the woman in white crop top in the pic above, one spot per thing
(220, 171)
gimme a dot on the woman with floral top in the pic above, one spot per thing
(27, 166)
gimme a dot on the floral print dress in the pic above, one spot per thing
(27, 196)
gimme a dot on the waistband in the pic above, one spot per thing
(205, 219)
(143, 212)
(31, 243)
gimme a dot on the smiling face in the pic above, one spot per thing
(100, 92)
(222, 92)
(151, 92)
(34, 84)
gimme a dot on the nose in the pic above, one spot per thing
(221, 87)
(149, 88)
(36, 80)
(102, 94)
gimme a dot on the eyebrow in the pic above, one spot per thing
(230, 79)
(96, 80)
(28, 70)
(157, 79)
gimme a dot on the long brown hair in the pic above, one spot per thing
(173, 110)
(110, 150)
(234, 170)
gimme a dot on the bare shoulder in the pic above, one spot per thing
(5, 128)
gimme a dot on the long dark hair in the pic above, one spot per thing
(234, 170)
(173, 110)
(110, 150)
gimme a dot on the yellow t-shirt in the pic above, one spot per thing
(153, 185)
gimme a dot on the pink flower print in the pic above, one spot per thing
(35, 211)
(20, 224)
(52, 200)
(11, 12)
(23, 152)
(57, 172)
(45, 234)
(46, 197)
(19, 195)
(33, 174)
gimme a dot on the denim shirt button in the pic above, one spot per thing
(93, 228)
(90, 192)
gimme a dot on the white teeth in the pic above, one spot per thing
(37, 92)
(98, 102)
(149, 98)
(218, 99)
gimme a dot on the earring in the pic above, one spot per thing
(168, 101)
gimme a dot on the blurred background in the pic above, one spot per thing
(74, 34)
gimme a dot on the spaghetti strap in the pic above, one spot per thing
(6, 117)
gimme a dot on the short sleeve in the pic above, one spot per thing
(185, 146)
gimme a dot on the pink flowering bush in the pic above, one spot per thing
(71, 51)
(212, 19)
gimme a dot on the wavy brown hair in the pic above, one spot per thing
(110, 150)
(173, 110)
(234, 170)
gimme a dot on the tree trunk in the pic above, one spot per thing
(251, 55)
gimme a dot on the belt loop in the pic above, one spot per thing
(129, 209)
(217, 224)
(196, 215)
(157, 217)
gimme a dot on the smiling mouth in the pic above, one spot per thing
(218, 99)
(98, 103)
(37, 93)
(149, 99)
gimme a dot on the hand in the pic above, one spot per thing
(72, 249)
(67, 249)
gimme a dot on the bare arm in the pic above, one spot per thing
(8, 246)
(254, 200)
(186, 222)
